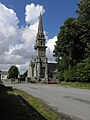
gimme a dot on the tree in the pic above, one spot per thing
(72, 49)
(84, 24)
(13, 72)
(68, 42)
(23, 77)
(68, 49)
(83, 69)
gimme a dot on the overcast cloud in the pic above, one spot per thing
(17, 44)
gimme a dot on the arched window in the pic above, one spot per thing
(41, 42)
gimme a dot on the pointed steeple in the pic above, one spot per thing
(40, 27)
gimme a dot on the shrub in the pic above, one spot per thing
(83, 71)
(60, 76)
(70, 75)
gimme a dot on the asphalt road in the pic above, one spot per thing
(70, 101)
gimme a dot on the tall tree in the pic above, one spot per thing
(84, 24)
(68, 49)
(72, 49)
(83, 70)
(13, 72)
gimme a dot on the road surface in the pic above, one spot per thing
(70, 101)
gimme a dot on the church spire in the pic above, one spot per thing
(40, 27)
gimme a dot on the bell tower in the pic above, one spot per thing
(40, 70)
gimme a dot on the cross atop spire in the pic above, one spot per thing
(40, 27)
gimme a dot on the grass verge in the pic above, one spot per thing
(18, 105)
(76, 85)
(41, 107)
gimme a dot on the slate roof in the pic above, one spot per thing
(52, 66)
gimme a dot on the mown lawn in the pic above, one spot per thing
(76, 85)
(18, 105)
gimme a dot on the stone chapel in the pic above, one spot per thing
(39, 68)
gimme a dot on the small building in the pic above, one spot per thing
(4, 75)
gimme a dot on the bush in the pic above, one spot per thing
(60, 76)
(83, 71)
(70, 75)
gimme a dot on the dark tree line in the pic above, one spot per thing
(72, 49)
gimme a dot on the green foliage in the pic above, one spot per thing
(39, 106)
(63, 63)
(83, 71)
(69, 75)
(83, 10)
(72, 49)
(18, 105)
(76, 84)
(68, 42)
(60, 76)
(84, 24)
(13, 72)
(23, 77)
